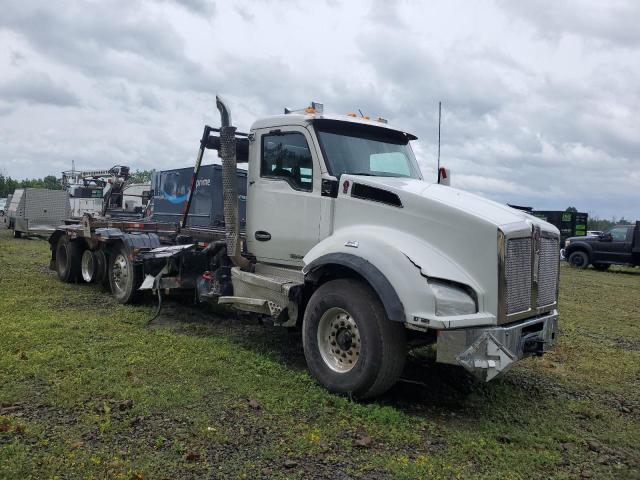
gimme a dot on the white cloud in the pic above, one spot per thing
(540, 101)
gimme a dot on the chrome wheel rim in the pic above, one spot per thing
(120, 273)
(339, 340)
(87, 266)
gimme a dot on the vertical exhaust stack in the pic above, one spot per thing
(227, 153)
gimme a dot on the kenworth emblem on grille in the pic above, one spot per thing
(536, 252)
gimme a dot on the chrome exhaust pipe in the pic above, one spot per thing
(227, 153)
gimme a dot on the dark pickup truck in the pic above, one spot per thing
(619, 245)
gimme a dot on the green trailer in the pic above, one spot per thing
(570, 224)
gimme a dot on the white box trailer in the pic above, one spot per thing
(37, 211)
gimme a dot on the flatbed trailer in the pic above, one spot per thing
(91, 251)
(121, 253)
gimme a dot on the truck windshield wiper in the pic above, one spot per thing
(361, 173)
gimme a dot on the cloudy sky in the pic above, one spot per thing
(540, 98)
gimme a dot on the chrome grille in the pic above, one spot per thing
(518, 274)
(548, 271)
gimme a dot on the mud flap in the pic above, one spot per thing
(152, 283)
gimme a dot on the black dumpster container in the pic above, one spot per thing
(171, 191)
(570, 224)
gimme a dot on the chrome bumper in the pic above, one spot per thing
(490, 351)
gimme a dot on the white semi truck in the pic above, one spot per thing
(346, 240)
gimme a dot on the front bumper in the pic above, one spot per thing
(490, 351)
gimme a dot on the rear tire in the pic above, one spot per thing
(579, 259)
(601, 267)
(349, 343)
(93, 266)
(68, 259)
(125, 278)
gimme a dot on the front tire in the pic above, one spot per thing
(579, 259)
(349, 343)
(125, 278)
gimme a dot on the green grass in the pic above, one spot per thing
(88, 390)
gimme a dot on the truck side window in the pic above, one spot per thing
(287, 156)
(619, 234)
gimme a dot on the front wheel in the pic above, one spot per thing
(579, 259)
(349, 343)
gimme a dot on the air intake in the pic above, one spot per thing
(367, 192)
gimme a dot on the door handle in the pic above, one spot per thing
(262, 236)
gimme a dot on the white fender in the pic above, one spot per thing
(405, 261)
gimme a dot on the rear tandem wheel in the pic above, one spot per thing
(125, 277)
(68, 259)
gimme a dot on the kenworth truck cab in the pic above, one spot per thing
(345, 239)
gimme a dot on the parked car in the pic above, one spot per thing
(3, 204)
(619, 245)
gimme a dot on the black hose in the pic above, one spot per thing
(158, 308)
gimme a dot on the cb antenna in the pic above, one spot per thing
(439, 123)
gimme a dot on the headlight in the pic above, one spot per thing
(567, 243)
(452, 300)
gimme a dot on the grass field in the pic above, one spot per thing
(88, 390)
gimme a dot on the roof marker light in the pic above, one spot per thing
(315, 107)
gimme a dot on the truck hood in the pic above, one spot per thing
(584, 238)
(412, 189)
(444, 232)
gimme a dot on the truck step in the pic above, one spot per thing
(263, 293)
(257, 305)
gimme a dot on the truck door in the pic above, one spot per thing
(615, 245)
(283, 195)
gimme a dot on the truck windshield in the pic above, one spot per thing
(366, 150)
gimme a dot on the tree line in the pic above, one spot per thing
(8, 184)
(601, 224)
